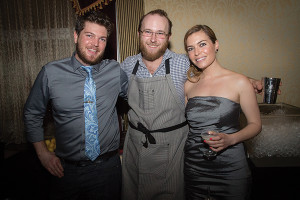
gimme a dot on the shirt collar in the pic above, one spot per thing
(76, 64)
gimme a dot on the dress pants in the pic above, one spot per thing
(100, 180)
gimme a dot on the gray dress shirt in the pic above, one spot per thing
(62, 84)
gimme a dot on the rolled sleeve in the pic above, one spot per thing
(35, 108)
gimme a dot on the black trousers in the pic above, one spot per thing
(101, 180)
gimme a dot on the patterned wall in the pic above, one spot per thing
(257, 37)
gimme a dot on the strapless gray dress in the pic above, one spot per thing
(226, 177)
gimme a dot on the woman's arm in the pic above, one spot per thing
(250, 108)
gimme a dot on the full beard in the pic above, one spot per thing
(83, 57)
(153, 56)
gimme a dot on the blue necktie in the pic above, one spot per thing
(92, 146)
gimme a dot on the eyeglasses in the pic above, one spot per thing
(160, 34)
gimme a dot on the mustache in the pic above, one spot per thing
(152, 43)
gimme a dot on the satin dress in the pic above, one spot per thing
(226, 177)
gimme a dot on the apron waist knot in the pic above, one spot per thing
(147, 132)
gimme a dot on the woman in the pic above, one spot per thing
(214, 98)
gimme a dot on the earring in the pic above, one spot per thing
(217, 50)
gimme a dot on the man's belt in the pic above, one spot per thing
(147, 132)
(83, 163)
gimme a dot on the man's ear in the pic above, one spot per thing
(169, 37)
(75, 37)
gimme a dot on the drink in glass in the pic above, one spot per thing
(209, 154)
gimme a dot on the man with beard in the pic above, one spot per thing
(152, 164)
(62, 83)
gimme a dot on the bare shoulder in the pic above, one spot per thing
(238, 79)
(188, 83)
(187, 86)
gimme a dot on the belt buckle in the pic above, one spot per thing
(84, 163)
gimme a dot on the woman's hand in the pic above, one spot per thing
(219, 141)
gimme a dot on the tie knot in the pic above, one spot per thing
(88, 69)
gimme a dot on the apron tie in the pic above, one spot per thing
(147, 132)
(148, 135)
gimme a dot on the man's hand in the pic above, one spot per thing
(48, 159)
(258, 86)
(52, 163)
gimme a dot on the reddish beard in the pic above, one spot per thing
(153, 56)
(83, 57)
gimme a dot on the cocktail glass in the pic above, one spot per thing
(209, 154)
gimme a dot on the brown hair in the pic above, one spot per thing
(159, 12)
(193, 73)
(94, 16)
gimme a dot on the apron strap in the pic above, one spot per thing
(167, 64)
(136, 67)
(147, 132)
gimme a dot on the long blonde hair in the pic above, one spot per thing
(193, 73)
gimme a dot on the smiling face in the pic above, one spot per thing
(201, 50)
(90, 44)
(153, 48)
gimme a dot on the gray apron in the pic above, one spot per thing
(153, 156)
